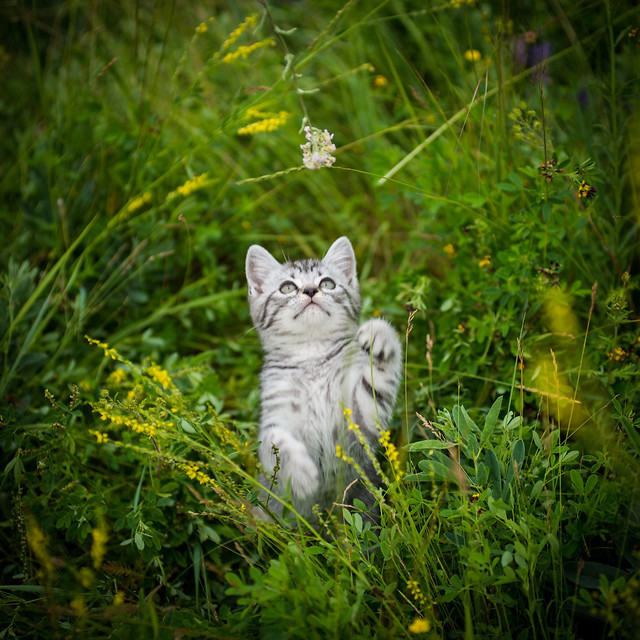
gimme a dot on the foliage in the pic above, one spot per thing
(486, 170)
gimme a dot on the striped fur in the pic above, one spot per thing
(317, 362)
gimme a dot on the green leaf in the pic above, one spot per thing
(617, 405)
(357, 522)
(537, 488)
(518, 452)
(632, 432)
(474, 199)
(464, 421)
(592, 480)
(576, 480)
(432, 471)
(517, 456)
(491, 419)
(495, 477)
(426, 445)
(507, 558)
(139, 541)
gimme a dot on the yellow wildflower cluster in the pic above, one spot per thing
(416, 593)
(189, 186)
(108, 351)
(159, 375)
(485, 262)
(99, 546)
(340, 453)
(126, 421)
(249, 22)
(38, 544)
(100, 436)
(391, 454)
(270, 123)
(227, 437)
(449, 250)
(586, 191)
(203, 27)
(380, 81)
(116, 377)
(242, 52)
(139, 202)
(136, 394)
(365, 445)
(617, 355)
(472, 55)
(193, 471)
(419, 625)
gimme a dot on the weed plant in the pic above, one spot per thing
(486, 172)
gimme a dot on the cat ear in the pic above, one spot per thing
(341, 256)
(260, 263)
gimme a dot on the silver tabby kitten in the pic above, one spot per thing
(317, 362)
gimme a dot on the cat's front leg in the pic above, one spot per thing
(380, 366)
(297, 469)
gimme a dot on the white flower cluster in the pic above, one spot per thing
(316, 153)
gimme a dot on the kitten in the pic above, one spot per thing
(317, 363)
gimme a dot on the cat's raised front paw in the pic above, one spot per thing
(303, 476)
(379, 338)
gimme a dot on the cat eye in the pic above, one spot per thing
(288, 287)
(327, 284)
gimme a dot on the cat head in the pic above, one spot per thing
(307, 299)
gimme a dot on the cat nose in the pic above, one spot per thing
(310, 291)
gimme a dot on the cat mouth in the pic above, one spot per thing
(311, 306)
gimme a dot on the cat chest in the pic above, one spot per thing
(308, 402)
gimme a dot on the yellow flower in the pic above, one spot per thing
(108, 351)
(117, 377)
(266, 124)
(38, 543)
(250, 21)
(99, 546)
(201, 28)
(100, 437)
(618, 354)
(244, 51)
(379, 81)
(139, 202)
(391, 453)
(472, 55)
(449, 250)
(485, 262)
(159, 375)
(586, 191)
(420, 625)
(190, 186)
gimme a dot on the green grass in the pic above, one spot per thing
(466, 133)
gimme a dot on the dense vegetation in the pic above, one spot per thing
(488, 175)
